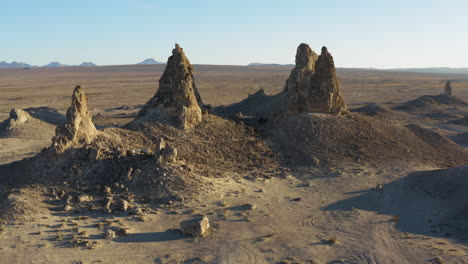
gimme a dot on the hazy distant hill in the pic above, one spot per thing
(14, 64)
(151, 61)
(431, 70)
(268, 64)
(87, 63)
(55, 65)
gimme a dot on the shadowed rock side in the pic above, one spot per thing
(22, 125)
(177, 101)
(79, 129)
(448, 88)
(437, 204)
(313, 85)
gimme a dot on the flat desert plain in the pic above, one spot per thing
(382, 211)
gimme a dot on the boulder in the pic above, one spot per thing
(177, 101)
(165, 153)
(79, 128)
(17, 117)
(195, 227)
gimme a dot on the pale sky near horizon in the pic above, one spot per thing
(358, 33)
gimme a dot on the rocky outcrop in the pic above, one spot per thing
(448, 88)
(313, 85)
(196, 227)
(17, 117)
(177, 101)
(79, 129)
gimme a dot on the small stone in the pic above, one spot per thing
(67, 208)
(107, 190)
(196, 227)
(110, 234)
(122, 205)
(84, 198)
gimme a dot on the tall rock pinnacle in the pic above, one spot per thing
(177, 101)
(79, 128)
(313, 85)
(448, 88)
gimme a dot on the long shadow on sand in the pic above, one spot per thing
(168, 235)
(430, 203)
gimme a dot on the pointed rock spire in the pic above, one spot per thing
(448, 88)
(177, 101)
(79, 128)
(313, 85)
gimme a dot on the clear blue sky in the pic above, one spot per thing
(359, 33)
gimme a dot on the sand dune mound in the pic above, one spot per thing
(430, 102)
(320, 138)
(22, 125)
(381, 112)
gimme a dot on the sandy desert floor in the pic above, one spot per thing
(293, 215)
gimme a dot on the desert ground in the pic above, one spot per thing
(377, 205)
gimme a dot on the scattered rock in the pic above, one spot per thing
(79, 129)
(248, 206)
(177, 101)
(378, 187)
(165, 153)
(122, 205)
(84, 198)
(107, 190)
(110, 234)
(195, 227)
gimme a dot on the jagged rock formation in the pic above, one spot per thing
(177, 101)
(79, 129)
(448, 88)
(312, 85)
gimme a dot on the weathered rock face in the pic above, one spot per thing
(313, 85)
(177, 101)
(448, 88)
(17, 117)
(79, 129)
(196, 227)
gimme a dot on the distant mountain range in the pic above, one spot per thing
(14, 64)
(19, 65)
(150, 61)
